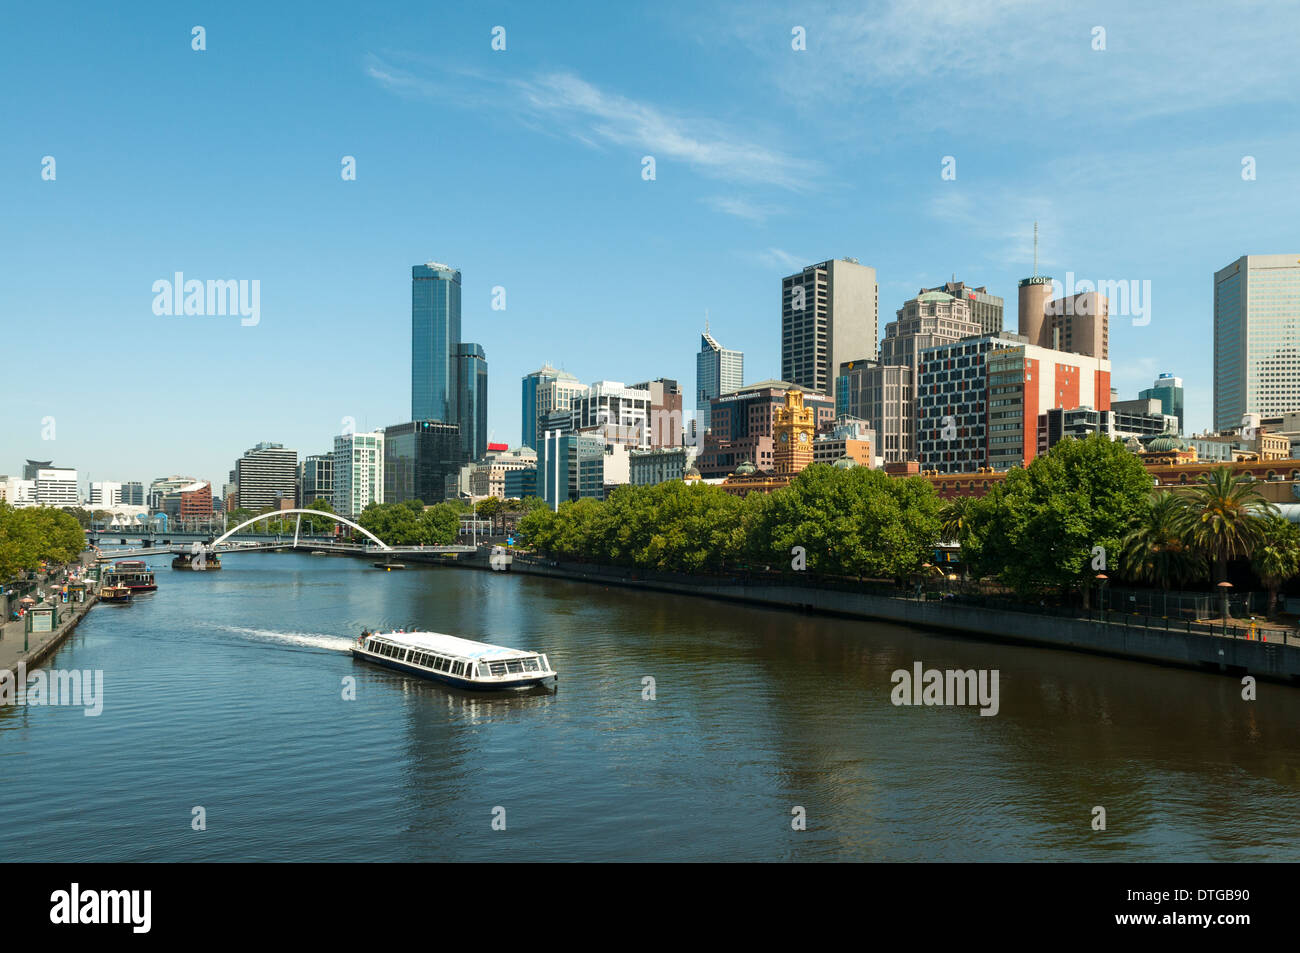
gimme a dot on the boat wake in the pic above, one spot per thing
(312, 640)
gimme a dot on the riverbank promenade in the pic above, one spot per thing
(33, 647)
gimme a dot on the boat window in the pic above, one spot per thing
(443, 664)
(497, 668)
(514, 666)
(530, 665)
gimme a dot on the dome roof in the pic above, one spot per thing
(692, 474)
(1164, 444)
(746, 469)
(845, 463)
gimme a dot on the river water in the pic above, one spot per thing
(225, 691)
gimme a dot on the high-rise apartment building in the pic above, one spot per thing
(1256, 338)
(266, 475)
(358, 472)
(718, 371)
(830, 314)
(435, 336)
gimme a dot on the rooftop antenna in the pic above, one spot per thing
(706, 320)
(1035, 249)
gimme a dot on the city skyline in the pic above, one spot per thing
(553, 131)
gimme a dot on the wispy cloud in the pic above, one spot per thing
(740, 207)
(597, 116)
(779, 258)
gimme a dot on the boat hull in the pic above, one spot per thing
(448, 679)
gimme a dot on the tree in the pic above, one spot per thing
(1224, 521)
(1276, 556)
(1156, 549)
(952, 517)
(1040, 528)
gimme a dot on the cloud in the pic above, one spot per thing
(596, 116)
(777, 258)
(739, 207)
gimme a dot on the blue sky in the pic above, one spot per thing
(523, 169)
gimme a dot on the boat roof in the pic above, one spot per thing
(452, 645)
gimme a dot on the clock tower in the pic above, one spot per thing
(793, 430)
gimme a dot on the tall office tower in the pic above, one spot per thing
(133, 494)
(358, 472)
(471, 404)
(1256, 338)
(435, 335)
(718, 371)
(830, 314)
(665, 412)
(618, 413)
(986, 309)
(928, 320)
(529, 401)
(419, 456)
(316, 479)
(880, 394)
(266, 475)
(1169, 391)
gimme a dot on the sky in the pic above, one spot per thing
(524, 168)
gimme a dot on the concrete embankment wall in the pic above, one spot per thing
(1126, 638)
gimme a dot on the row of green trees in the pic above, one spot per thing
(856, 522)
(35, 534)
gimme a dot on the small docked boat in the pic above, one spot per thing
(115, 594)
(130, 573)
(455, 661)
(389, 566)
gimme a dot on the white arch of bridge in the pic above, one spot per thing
(278, 513)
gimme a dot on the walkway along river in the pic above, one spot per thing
(225, 699)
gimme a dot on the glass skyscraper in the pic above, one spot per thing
(435, 337)
(1169, 391)
(1256, 338)
(472, 384)
(718, 371)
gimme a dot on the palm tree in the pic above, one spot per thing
(1156, 550)
(1276, 557)
(1224, 517)
(952, 518)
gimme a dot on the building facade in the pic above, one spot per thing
(1256, 338)
(435, 336)
(743, 422)
(418, 457)
(266, 475)
(316, 479)
(986, 310)
(1167, 389)
(718, 371)
(830, 314)
(472, 402)
(358, 471)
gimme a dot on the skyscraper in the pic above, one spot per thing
(1169, 391)
(471, 403)
(986, 309)
(1256, 338)
(830, 314)
(529, 402)
(718, 371)
(435, 336)
(266, 474)
(358, 464)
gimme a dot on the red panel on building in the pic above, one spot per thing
(1029, 422)
(1101, 384)
(499, 447)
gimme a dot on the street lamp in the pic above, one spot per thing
(1102, 579)
(1223, 588)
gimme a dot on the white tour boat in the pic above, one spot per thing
(456, 661)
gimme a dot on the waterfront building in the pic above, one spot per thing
(830, 314)
(435, 337)
(133, 494)
(162, 486)
(1256, 338)
(316, 479)
(571, 467)
(358, 471)
(472, 404)
(665, 412)
(986, 309)
(265, 475)
(418, 457)
(1168, 390)
(193, 501)
(742, 427)
(488, 477)
(718, 371)
(57, 486)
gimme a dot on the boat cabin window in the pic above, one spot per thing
(458, 669)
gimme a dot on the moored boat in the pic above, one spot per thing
(455, 661)
(130, 573)
(115, 594)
